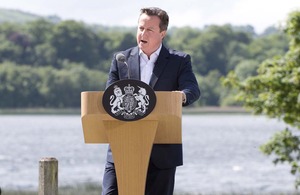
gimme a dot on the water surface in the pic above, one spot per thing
(221, 153)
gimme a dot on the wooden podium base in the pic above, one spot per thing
(131, 155)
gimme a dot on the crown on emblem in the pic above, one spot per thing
(129, 89)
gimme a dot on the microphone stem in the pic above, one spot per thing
(128, 70)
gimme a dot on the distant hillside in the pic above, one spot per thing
(17, 16)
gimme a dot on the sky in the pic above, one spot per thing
(195, 13)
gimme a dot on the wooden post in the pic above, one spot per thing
(48, 176)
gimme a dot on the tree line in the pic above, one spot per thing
(275, 92)
(46, 64)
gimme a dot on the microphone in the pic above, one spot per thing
(121, 58)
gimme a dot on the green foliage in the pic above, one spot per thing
(275, 91)
(246, 68)
(23, 86)
(44, 45)
(286, 147)
(293, 29)
(266, 47)
(40, 31)
(75, 42)
(210, 88)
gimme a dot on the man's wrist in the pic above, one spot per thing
(183, 97)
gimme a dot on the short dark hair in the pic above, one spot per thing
(155, 11)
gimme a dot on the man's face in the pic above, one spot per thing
(148, 34)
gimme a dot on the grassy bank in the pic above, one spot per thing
(45, 111)
(76, 111)
(93, 189)
(74, 192)
(214, 110)
(86, 189)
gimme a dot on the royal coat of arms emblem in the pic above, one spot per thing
(129, 100)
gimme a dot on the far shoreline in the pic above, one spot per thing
(77, 111)
(215, 110)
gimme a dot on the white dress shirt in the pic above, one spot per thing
(147, 65)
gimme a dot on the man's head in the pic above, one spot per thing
(161, 14)
(152, 27)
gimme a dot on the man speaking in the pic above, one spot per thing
(164, 70)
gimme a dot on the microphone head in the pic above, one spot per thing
(120, 57)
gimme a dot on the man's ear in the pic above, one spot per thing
(163, 34)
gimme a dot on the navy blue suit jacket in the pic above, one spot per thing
(172, 72)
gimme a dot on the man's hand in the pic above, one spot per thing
(183, 97)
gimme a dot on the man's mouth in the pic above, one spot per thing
(143, 41)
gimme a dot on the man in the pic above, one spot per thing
(164, 70)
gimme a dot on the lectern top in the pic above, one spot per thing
(168, 113)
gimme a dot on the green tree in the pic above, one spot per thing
(245, 69)
(43, 53)
(215, 46)
(275, 91)
(210, 88)
(268, 45)
(75, 42)
(128, 40)
(19, 86)
(8, 50)
(40, 31)
(183, 38)
(62, 87)
(15, 43)
(22, 86)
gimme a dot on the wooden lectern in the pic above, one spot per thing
(131, 142)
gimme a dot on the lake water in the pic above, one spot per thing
(221, 153)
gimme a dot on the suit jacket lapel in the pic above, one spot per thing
(134, 64)
(160, 65)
